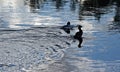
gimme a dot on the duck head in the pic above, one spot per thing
(79, 27)
(68, 23)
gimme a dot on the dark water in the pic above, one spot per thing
(29, 32)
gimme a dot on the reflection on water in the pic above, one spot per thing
(59, 3)
(96, 3)
(31, 39)
(116, 23)
(35, 4)
(42, 12)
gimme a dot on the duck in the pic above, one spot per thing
(68, 26)
(79, 34)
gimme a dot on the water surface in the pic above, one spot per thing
(31, 39)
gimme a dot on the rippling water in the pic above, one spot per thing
(31, 39)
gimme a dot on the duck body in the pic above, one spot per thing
(68, 26)
(79, 34)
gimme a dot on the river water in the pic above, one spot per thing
(31, 39)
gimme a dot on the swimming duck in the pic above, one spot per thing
(68, 26)
(78, 35)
